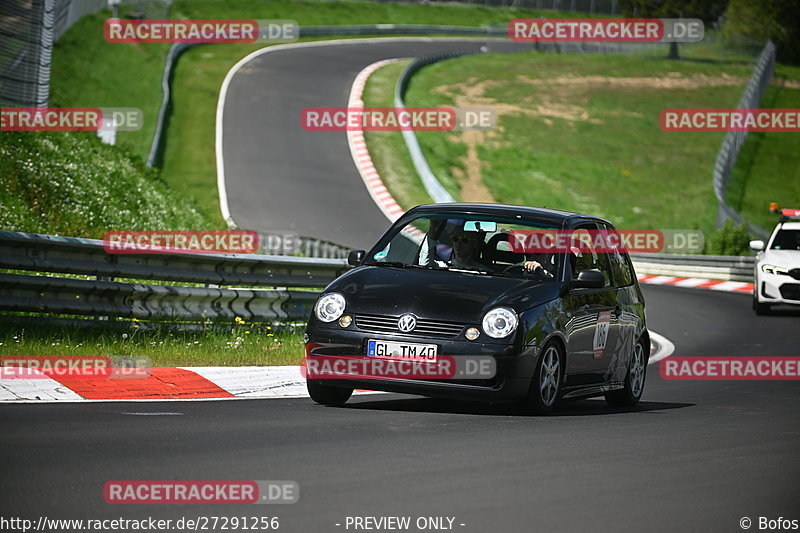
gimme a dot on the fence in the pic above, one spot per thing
(29, 28)
(26, 28)
(732, 144)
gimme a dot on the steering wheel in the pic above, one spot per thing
(540, 271)
(512, 268)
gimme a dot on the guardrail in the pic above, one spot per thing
(732, 144)
(432, 185)
(724, 267)
(154, 158)
(106, 297)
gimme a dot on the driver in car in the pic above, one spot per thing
(467, 245)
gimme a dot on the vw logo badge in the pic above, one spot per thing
(407, 323)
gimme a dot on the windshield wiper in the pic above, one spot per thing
(400, 264)
(397, 264)
(470, 270)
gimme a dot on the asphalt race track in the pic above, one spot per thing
(263, 141)
(694, 456)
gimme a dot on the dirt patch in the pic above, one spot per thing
(472, 94)
(672, 80)
(473, 189)
(549, 106)
(788, 84)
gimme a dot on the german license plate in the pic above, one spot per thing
(404, 351)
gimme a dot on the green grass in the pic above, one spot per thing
(189, 158)
(88, 71)
(387, 148)
(93, 76)
(588, 147)
(189, 163)
(314, 13)
(768, 167)
(241, 345)
(69, 184)
(539, 164)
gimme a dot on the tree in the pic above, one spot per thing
(709, 11)
(778, 20)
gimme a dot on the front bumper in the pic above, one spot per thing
(514, 366)
(778, 289)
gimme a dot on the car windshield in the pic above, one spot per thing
(477, 244)
(786, 239)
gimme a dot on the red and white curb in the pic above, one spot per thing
(183, 383)
(698, 283)
(191, 383)
(358, 148)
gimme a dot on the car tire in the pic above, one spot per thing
(758, 307)
(630, 394)
(327, 395)
(546, 383)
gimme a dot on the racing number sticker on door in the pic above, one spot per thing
(601, 333)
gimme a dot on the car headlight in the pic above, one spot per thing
(772, 269)
(329, 307)
(500, 322)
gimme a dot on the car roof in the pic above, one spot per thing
(788, 225)
(543, 214)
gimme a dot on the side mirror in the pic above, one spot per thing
(757, 245)
(589, 279)
(356, 257)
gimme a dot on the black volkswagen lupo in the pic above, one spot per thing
(449, 280)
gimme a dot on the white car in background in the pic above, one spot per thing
(777, 270)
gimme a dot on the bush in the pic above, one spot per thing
(71, 184)
(729, 240)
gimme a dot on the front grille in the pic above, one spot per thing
(388, 324)
(790, 291)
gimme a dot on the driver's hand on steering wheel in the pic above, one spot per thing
(532, 265)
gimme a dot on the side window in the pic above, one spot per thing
(619, 266)
(588, 258)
